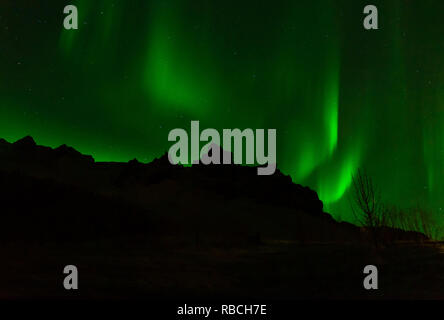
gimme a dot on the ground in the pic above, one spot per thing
(274, 270)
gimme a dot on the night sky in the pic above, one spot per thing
(340, 97)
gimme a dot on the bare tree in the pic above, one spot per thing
(422, 220)
(367, 206)
(376, 217)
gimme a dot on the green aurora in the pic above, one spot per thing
(340, 97)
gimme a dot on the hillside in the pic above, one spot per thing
(63, 189)
(162, 231)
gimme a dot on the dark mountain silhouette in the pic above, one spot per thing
(61, 194)
(162, 231)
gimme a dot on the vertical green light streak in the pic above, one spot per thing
(315, 85)
(337, 178)
(331, 112)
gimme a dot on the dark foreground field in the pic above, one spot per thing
(271, 271)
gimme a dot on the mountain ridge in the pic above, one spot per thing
(223, 201)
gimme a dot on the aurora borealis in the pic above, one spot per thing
(340, 97)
